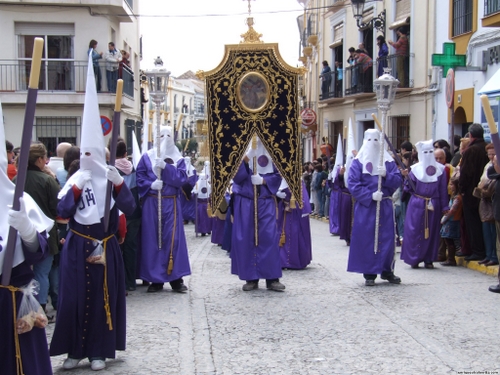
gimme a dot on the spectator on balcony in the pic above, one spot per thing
(96, 56)
(339, 76)
(326, 80)
(361, 46)
(401, 47)
(383, 52)
(351, 60)
(365, 64)
(113, 58)
(124, 62)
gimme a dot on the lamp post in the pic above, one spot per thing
(378, 22)
(158, 85)
(385, 88)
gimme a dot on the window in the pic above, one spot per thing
(136, 127)
(57, 68)
(53, 130)
(462, 17)
(399, 130)
(491, 6)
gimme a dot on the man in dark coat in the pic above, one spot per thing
(494, 174)
(474, 159)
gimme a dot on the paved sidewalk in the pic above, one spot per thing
(439, 321)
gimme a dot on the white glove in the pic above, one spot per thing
(257, 179)
(83, 178)
(113, 175)
(377, 196)
(20, 221)
(382, 171)
(444, 219)
(160, 163)
(157, 185)
(281, 194)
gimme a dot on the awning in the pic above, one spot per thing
(492, 87)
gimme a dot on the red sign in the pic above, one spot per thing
(308, 117)
(106, 125)
(450, 88)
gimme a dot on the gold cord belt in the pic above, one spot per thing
(19, 362)
(106, 291)
(426, 218)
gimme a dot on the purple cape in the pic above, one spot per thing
(189, 206)
(154, 260)
(334, 205)
(362, 258)
(81, 329)
(248, 261)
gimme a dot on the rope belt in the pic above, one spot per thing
(171, 256)
(19, 362)
(282, 236)
(426, 219)
(105, 286)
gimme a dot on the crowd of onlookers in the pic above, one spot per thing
(471, 226)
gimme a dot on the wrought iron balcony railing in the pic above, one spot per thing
(61, 76)
(491, 6)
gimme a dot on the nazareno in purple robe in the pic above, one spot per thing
(189, 206)
(415, 247)
(248, 261)
(345, 211)
(228, 225)
(81, 328)
(334, 205)
(362, 258)
(33, 344)
(294, 224)
(203, 222)
(154, 261)
(218, 230)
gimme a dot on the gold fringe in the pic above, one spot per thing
(171, 258)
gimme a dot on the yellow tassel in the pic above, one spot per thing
(426, 233)
(170, 265)
(282, 239)
(209, 210)
(293, 203)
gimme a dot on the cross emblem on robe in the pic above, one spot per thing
(448, 59)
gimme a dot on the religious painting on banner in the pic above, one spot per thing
(252, 91)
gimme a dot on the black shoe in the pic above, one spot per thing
(370, 282)
(459, 254)
(181, 288)
(250, 285)
(494, 288)
(393, 279)
(130, 288)
(155, 287)
(473, 257)
(145, 283)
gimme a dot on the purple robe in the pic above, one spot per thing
(334, 205)
(415, 247)
(154, 260)
(345, 211)
(217, 230)
(296, 253)
(248, 261)
(228, 225)
(81, 328)
(189, 205)
(203, 222)
(362, 258)
(33, 344)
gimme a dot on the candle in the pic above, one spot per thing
(489, 114)
(36, 61)
(179, 121)
(345, 132)
(376, 121)
(119, 91)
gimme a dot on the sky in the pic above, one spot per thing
(191, 34)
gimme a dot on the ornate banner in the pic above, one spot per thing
(253, 91)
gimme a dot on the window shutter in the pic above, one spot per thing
(39, 28)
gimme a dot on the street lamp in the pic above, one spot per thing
(158, 85)
(378, 22)
(385, 88)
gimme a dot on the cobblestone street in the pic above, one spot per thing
(438, 321)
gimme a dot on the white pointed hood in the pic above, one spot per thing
(189, 167)
(369, 153)
(92, 157)
(349, 152)
(136, 151)
(42, 223)
(264, 161)
(339, 159)
(168, 149)
(427, 169)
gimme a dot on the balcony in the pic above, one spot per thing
(59, 77)
(400, 69)
(491, 13)
(331, 85)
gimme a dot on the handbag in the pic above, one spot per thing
(486, 210)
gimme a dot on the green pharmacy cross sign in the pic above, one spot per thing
(448, 59)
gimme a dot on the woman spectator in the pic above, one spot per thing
(96, 56)
(383, 52)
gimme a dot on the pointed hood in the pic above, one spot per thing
(264, 161)
(92, 157)
(136, 151)
(339, 159)
(427, 169)
(369, 153)
(42, 223)
(351, 146)
(168, 149)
